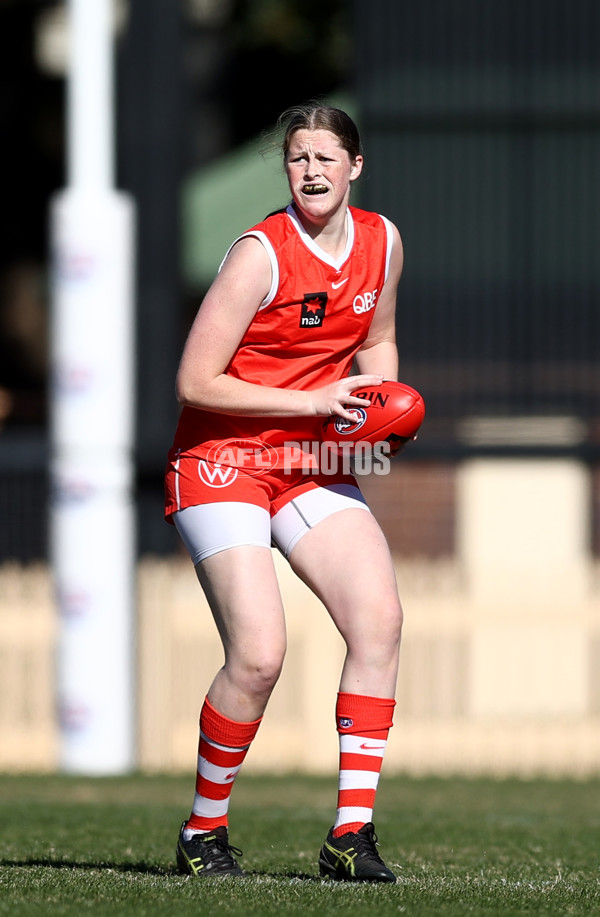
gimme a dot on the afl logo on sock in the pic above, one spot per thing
(345, 722)
(313, 310)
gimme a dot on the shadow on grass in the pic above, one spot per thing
(76, 864)
(146, 869)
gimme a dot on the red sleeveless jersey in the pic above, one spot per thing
(306, 332)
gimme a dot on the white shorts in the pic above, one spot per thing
(209, 528)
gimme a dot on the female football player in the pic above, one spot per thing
(300, 299)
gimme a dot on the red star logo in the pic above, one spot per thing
(313, 305)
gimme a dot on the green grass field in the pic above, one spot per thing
(69, 846)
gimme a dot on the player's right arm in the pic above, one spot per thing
(220, 324)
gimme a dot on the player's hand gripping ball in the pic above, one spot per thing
(394, 416)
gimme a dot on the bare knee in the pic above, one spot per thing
(387, 632)
(255, 675)
(376, 634)
(396, 623)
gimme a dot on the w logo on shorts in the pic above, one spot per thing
(215, 475)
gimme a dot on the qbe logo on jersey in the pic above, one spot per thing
(364, 302)
(215, 475)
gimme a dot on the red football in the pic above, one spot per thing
(394, 415)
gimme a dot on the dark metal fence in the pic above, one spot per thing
(481, 121)
(23, 496)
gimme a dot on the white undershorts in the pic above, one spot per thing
(209, 528)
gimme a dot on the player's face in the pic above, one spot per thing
(319, 172)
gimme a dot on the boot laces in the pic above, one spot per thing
(216, 848)
(367, 842)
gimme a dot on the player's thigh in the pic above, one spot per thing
(241, 588)
(230, 545)
(345, 560)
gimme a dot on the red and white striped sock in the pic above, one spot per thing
(221, 752)
(363, 724)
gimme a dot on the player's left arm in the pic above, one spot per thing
(379, 352)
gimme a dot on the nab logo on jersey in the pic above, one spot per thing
(313, 310)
